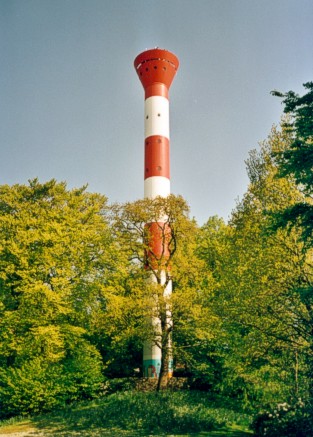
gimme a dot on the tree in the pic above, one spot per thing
(56, 260)
(264, 321)
(196, 326)
(175, 263)
(296, 163)
(297, 160)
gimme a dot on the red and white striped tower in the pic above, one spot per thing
(156, 69)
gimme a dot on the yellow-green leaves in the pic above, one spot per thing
(55, 261)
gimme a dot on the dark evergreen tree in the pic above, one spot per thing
(297, 161)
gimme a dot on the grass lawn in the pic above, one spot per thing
(138, 414)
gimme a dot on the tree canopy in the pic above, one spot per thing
(55, 263)
(297, 160)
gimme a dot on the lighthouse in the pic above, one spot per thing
(156, 69)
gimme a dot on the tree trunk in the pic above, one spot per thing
(163, 376)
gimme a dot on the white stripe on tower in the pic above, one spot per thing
(157, 182)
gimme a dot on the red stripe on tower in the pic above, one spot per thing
(157, 157)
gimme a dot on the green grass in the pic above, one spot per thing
(140, 414)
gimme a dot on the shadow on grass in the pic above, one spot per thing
(116, 419)
(144, 414)
(226, 433)
(56, 425)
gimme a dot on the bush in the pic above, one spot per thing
(38, 386)
(32, 388)
(119, 385)
(285, 420)
(82, 373)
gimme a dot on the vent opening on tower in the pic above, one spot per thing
(156, 59)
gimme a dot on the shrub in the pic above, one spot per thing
(38, 386)
(285, 420)
(32, 388)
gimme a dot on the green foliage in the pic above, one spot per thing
(82, 376)
(297, 160)
(132, 413)
(32, 388)
(284, 420)
(130, 220)
(76, 302)
(56, 261)
(159, 412)
(262, 346)
(144, 296)
(141, 414)
(39, 386)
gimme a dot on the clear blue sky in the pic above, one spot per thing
(71, 105)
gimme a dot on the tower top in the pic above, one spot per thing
(156, 67)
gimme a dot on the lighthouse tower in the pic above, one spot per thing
(156, 69)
